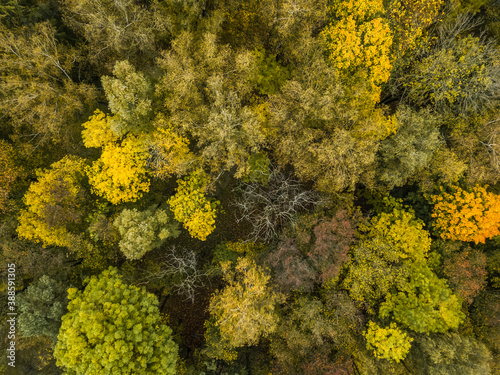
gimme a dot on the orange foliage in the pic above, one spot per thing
(467, 216)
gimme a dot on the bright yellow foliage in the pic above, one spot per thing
(403, 232)
(63, 178)
(191, 206)
(359, 42)
(467, 216)
(119, 175)
(169, 152)
(388, 343)
(98, 131)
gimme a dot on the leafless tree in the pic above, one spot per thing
(270, 208)
(183, 268)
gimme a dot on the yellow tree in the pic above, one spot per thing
(191, 206)
(390, 343)
(55, 203)
(244, 311)
(470, 216)
(169, 152)
(120, 174)
(359, 42)
(410, 18)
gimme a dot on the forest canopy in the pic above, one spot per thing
(299, 187)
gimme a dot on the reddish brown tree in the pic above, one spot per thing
(292, 270)
(332, 241)
(466, 272)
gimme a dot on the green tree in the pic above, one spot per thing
(114, 28)
(114, 328)
(316, 326)
(484, 314)
(142, 231)
(391, 265)
(378, 261)
(449, 354)
(206, 88)
(245, 310)
(37, 90)
(41, 307)
(404, 154)
(424, 302)
(129, 99)
(324, 129)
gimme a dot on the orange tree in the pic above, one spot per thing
(467, 215)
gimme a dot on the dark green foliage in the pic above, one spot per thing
(410, 150)
(270, 75)
(449, 354)
(259, 169)
(41, 307)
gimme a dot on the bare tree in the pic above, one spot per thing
(183, 268)
(270, 208)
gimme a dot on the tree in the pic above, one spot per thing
(120, 174)
(112, 28)
(465, 270)
(378, 261)
(38, 93)
(142, 231)
(97, 130)
(291, 270)
(471, 216)
(8, 172)
(312, 327)
(41, 307)
(129, 99)
(485, 313)
(245, 310)
(459, 75)
(182, 270)
(112, 327)
(333, 239)
(389, 343)
(449, 354)
(56, 204)
(423, 303)
(311, 118)
(274, 206)
(169, 152)
(206, 90)
(404, 154)
(409, 19)
(359, 42)
(191, 206)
